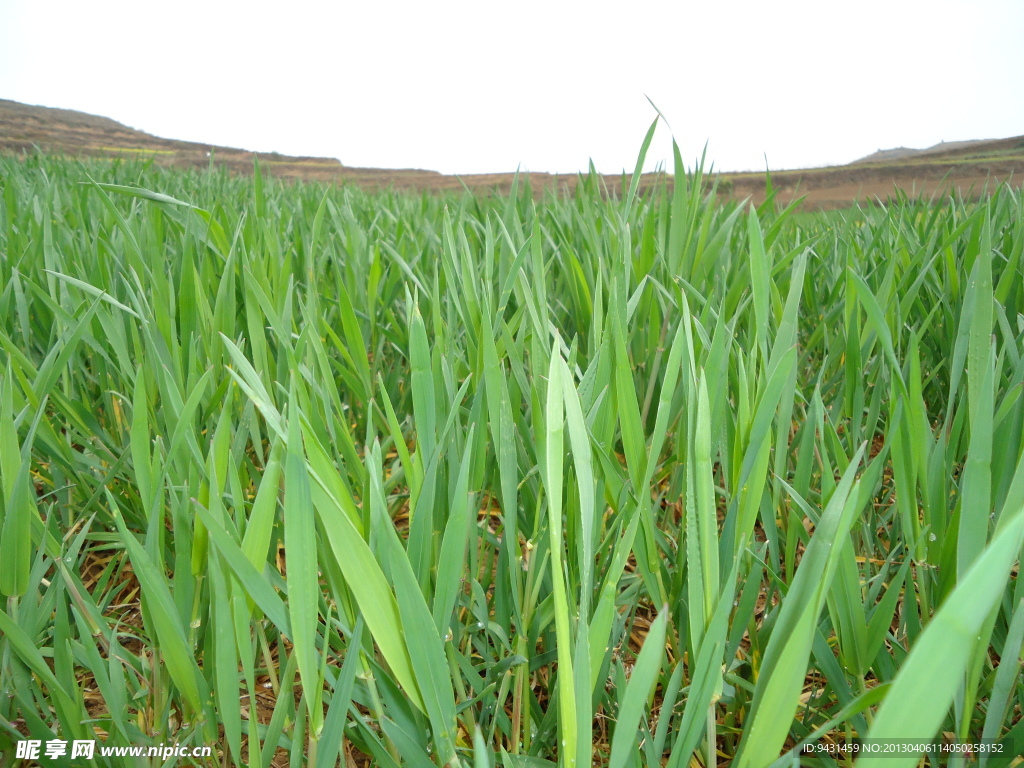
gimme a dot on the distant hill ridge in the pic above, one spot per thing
(945, 149)
(969, 166)
(23, 126)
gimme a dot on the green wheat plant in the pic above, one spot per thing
(626, 476)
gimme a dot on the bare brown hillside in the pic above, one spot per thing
(969, 166)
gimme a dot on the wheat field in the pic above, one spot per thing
(316, 476)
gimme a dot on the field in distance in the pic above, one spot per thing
(966, 166)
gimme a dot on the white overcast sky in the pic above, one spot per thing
(469, 87)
